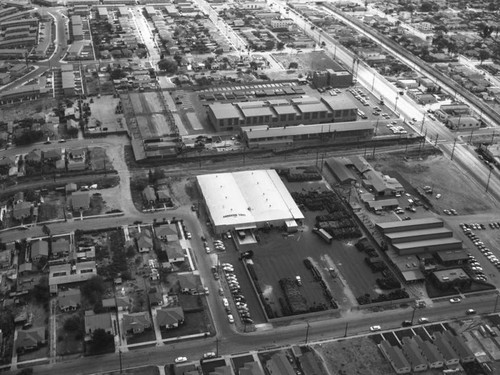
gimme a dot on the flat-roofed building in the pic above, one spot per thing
(418, 235)
(21, 93)
(415, 224)
(246, 200)
(278, 137)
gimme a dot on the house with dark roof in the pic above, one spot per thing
(80, 201)
(69, 300)
(222, 370)
(145, 241)
(120, 303)
(429, 350)
(30, 339)
(174, 250)
(450, 356)
(34, 157)
(135, 323)
(167, 233)
(155, 297)
(5, 259)
(60, 248)
(170, 317)
(412, 352)
(279, 365)
(52, 155)
(21, 210)
(251, 368)
(95, 321)
(395, 357)
(39, 250)
(463, 351)
(71, 188)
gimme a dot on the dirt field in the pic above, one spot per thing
(153, 102)
(444, 177)
(102, 109)
(357, 356)
(27, 109)
(306, 61)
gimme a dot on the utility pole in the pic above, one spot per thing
(307, 331)
(488, 182)
(216, 346)
(436, 142)
(453, 150)
(346, 326)
(413, 314)
(120, 356)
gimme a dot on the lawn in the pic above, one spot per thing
(147, 335)
(194, 322)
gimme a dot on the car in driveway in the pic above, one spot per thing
(180, 360)
(375, 328)
(455, 300)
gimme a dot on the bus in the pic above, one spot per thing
(324, 235)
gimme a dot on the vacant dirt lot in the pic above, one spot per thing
(357, 356)
(306, 61)
(457, 189)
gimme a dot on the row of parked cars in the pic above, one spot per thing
(474, 264)
(238, 297)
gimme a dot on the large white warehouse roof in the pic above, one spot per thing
(242, 199)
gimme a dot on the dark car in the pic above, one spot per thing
(406, 323)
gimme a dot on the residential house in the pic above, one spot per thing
(414, 355)
(77, 159)
(155, 297)
(167, 233)
(120, 303)
(21, 210)
(39, 250)
(279, 365)
(34, 157)
(71, 188)
(164, 196)
(395, 357)
(251, 368)
(222, 370)
(149, 195)
(136, 323)
(52, 155)
(145, 241)
(450, 356)
(429, 350)
(170, 317)
(30, 339)
(69, 300)
(189, 283)
(60, 248)
(25, 268)
(80, 201)
(175, 252)
(95, 321)
(5, 259)
(6, 164)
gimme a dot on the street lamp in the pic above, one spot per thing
(396, 103)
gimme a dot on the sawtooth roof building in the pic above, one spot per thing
(247, 200)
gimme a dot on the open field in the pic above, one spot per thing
(102, 110)
(317, 60)
(355, 356)
(444, 177)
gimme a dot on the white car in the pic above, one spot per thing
(375, 328)
(230, 318)
(180, 360)
(225, 302)
(455, 300)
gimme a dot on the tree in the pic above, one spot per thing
(93, 289)
(73, 323)
(117, 74)
(102, 342)
(483, 55)
(280, 46)
(46, 230)
(168, 65)
(41, 291)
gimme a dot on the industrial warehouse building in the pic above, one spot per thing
(264, 136)
(247, 200)
(282, 112)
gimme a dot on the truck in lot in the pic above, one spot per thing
(324, 235)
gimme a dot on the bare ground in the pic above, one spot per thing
(444, 177)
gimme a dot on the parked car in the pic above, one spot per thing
(375, 328)
(455, 300)
(209, 355)
(230, 318)
(470, 312)
(180, 360)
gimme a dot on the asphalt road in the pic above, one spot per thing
(357, 323)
